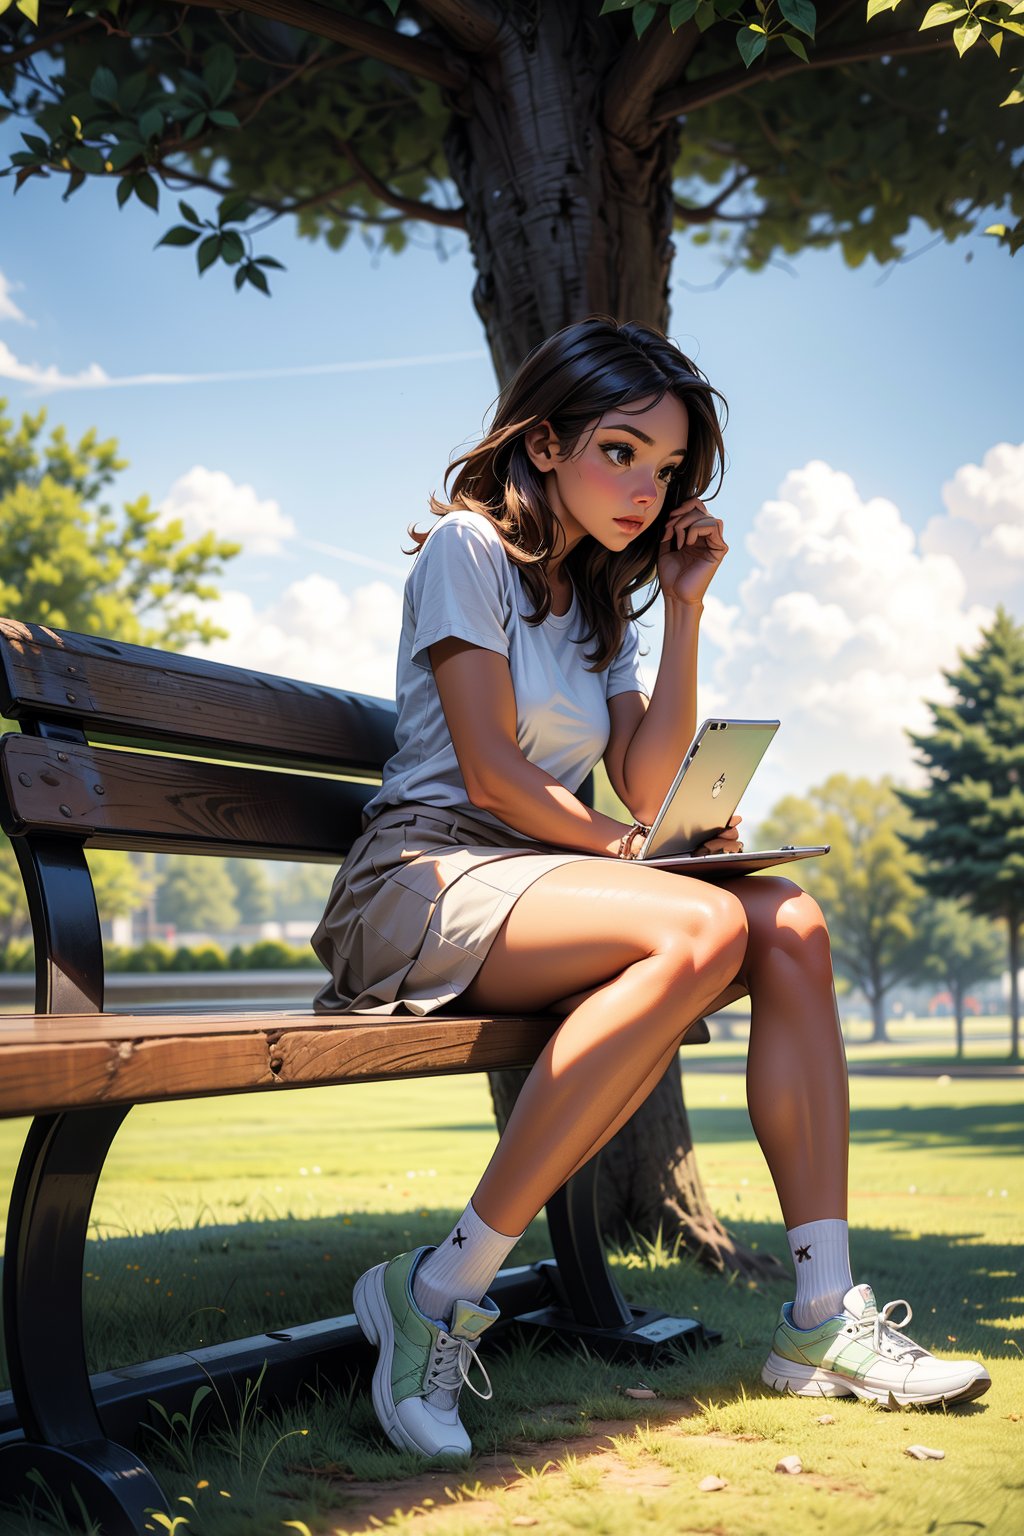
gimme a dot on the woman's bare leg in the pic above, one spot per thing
(651, 951)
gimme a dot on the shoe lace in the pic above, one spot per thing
(885, 1331)
(451, 1365)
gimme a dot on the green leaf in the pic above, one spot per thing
(681, 12)
(224, 119)
(616, 5)
(208, 252)
(179, 235)
(800, 14)
(643, 14)
(392, 6)
(231, 247)
(795, 46)
(75, 180)
(966, 35)
(875, 7)
(122, 155)
(195, 125)
(151, 123)
(124, 190)
(995, 42)
(131, 91)
(239, 278)
(103, 85)
(937, 15)
(146, 191)
(37, 145)
(219, 72)
(268, 261)
(1015, 98)
(235, 208)
(706, 15)
(189, 213)
(750, 44)
(85, 159)
(256, 277)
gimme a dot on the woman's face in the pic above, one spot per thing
(615, 484)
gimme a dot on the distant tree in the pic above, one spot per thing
(254, 894)
(961, 950)
(197, 895)
(969, 821)
(868, 886)
(67, 559)
(302, 893)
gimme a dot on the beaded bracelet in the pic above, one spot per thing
(628, 839)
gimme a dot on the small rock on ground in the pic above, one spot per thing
(924, 1453)
(791, 1464)
(712, 1484)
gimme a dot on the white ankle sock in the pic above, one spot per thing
(821, 1259)
(461, 1267)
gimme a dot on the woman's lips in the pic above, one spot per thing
(630, 524)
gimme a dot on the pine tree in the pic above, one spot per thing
(971, 814)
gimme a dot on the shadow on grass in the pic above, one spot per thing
(984, 1128)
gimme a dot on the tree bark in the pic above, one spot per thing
(1014, 926)
(566, 220)
(956, 992)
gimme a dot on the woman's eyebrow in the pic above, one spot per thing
(620, 426)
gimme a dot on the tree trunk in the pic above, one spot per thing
(956, 992)
(1014, 926)
(876, 997)
(566, 221)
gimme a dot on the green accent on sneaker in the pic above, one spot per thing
(415, 1333)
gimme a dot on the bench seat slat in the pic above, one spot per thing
(133, 800)
(136, 692)
(54, 1062)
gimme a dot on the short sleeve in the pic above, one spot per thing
(458, 589)
(624, 674)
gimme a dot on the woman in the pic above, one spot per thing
(480, 876)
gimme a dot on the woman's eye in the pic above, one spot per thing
(666, 475)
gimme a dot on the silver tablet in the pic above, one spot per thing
(707, 789)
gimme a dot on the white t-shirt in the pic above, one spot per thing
(463, 584)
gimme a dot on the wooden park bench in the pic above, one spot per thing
(98, 763)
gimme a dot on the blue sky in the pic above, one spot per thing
(848, 585)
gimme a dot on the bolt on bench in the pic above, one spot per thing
(93, 767)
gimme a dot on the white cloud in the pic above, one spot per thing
(842, 630)
(983, 529)
(49, 378)
(209, 500)
(313, 632)
(46, 380)
(8, 309)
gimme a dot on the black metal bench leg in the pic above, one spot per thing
(42, 1302)
(589, 1306)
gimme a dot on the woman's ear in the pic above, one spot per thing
(541, 446)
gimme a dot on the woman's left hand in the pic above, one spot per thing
(691, 550)
(726, 841)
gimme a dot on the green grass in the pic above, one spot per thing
(227, 1217)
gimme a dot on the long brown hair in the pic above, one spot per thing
(571, 380)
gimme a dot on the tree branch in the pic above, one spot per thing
(473, 24)
(649, 64)
(41, 44)
(710, 210)
(702, 93)
(407, 53)
(451, 218)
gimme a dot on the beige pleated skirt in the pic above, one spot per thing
(415, 907)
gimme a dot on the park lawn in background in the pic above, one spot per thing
(285, 1199)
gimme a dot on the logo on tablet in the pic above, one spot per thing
(718, 786)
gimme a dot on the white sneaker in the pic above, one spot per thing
(860, 1353)
(422, 1366)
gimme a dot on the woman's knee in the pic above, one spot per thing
(708, 932)
(785, 918)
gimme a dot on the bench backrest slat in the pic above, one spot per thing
(131, 800)
(135, 694)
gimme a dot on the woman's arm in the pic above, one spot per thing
(478, 699)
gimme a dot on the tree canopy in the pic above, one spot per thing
(772, 125)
